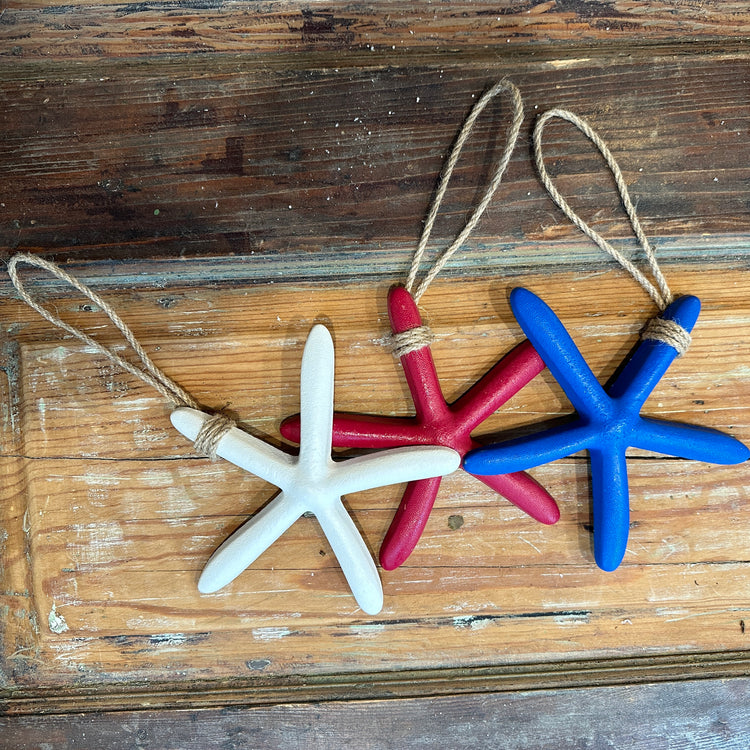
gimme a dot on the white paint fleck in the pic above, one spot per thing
(56, 621)
(567, 63)
(177, 503)
(156, 477)
(533, 546)
(570, 619)
(162, 640)
(95, 479)
(270, 634)
(137, 404)
(145, 435)
(471, 622)
(68, 651)
(98, 543)
(41, 406)
(470, 606)
(692, 615)
(676, 612)
(368, 630)
(97, 497)
(58, 354)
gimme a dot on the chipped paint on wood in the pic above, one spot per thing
(270, 634)
(56, 621)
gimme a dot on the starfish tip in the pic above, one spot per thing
(520, 296)
(684, 311)
(290, 428)
(402, 310)
(608, 566)
(740, 454)
(608, 554)
(371, 601)
(188, 421)
(389, 560)
(319, 335)
(549, 515)
(207, 583)
(477, 461)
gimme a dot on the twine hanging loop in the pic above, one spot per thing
(658, 328)
(503, 86)
(417, 338)
(213, 429)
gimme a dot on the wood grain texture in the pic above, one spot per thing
(104, 28)
(264, 168)
(683, 716)
(110, 518)
(225, 201)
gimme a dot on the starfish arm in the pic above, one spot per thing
(316, 398)
(423, 383)
(527, 452)
(246, 544)
(651, 359)
(525, 493)
(409, 522)
(239, 448)
(419, 367)
(560, 354)
(353, 556)
(392, 467)
(689, 441)
(365, 431)
(517, 368)
(611, 507)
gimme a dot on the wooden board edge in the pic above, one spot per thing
(402, 684)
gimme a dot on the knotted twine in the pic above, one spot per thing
(416, 338)
(657, 329)
(212, 430)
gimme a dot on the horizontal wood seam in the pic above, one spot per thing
(389, 685)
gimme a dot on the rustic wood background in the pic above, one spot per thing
(229, 173)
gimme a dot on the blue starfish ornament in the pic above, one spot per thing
(607, 422)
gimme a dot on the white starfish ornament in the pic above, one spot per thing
(312, 481)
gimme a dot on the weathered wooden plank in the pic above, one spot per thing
(94, 28)
(282, 172)
(106, 504)
(162, 176)
(223, 343)
(713, 715)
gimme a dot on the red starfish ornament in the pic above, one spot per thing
(439, 423)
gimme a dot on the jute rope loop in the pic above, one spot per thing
(503, 86)
(213, 429)
(658, 329)
(417, 338)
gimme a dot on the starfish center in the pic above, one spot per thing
(447, 430)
